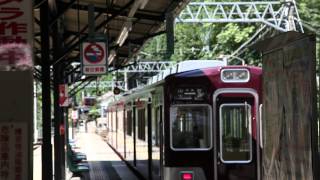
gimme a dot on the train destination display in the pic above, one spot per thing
(186, 94)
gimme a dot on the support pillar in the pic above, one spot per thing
(46, 99)
(289, 131)
(59, 163)
(170, 35)
(58, 116)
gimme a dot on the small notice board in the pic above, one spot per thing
(16, 125)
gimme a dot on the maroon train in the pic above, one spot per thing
(198, 124)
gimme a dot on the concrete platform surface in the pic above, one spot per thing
(103, 162)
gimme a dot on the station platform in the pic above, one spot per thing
(104, 163)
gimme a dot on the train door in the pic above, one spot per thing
(235, 137)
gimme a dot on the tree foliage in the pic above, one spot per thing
(310, 14)
(200, 41)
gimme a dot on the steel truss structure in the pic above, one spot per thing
(106, 84)
(147, 66)
(139, 67)
(282, 16)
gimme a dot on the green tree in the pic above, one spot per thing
(201, 41)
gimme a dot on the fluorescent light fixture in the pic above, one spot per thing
(122, 37)
(137, 4)
(134, 8)
(111, 57)
(126, 28)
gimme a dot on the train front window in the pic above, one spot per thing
(235, 133)
(190, 127)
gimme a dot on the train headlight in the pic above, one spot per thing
(235, 75)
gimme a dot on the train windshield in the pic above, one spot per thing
(190, 127)
(235, 133)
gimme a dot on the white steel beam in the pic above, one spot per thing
(104, 84)
(142, 67)
(282, 16)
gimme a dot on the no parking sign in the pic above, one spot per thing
(94, 58)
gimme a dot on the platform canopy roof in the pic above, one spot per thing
(143, 19)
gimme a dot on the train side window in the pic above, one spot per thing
(141, 124)
(235, 133)
(155, 126)
(191, 127)
(129, 123)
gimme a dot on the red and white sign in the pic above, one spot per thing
(63, 95)
(16, 34)
(14, 151)
(94, 58)
(16, 21)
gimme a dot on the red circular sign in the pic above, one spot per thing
(94, 53)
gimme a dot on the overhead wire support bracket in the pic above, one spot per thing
(282, 16)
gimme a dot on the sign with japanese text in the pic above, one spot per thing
(13, 151)
(63, 95)
(16, 21)
(16, 125)
(94, 58)
(16, 35)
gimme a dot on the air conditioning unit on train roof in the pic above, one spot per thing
(186, 66)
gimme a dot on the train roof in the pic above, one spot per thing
(219, 77)
(215, 70)
(186, 66)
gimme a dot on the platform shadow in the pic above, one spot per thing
(102, 170)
